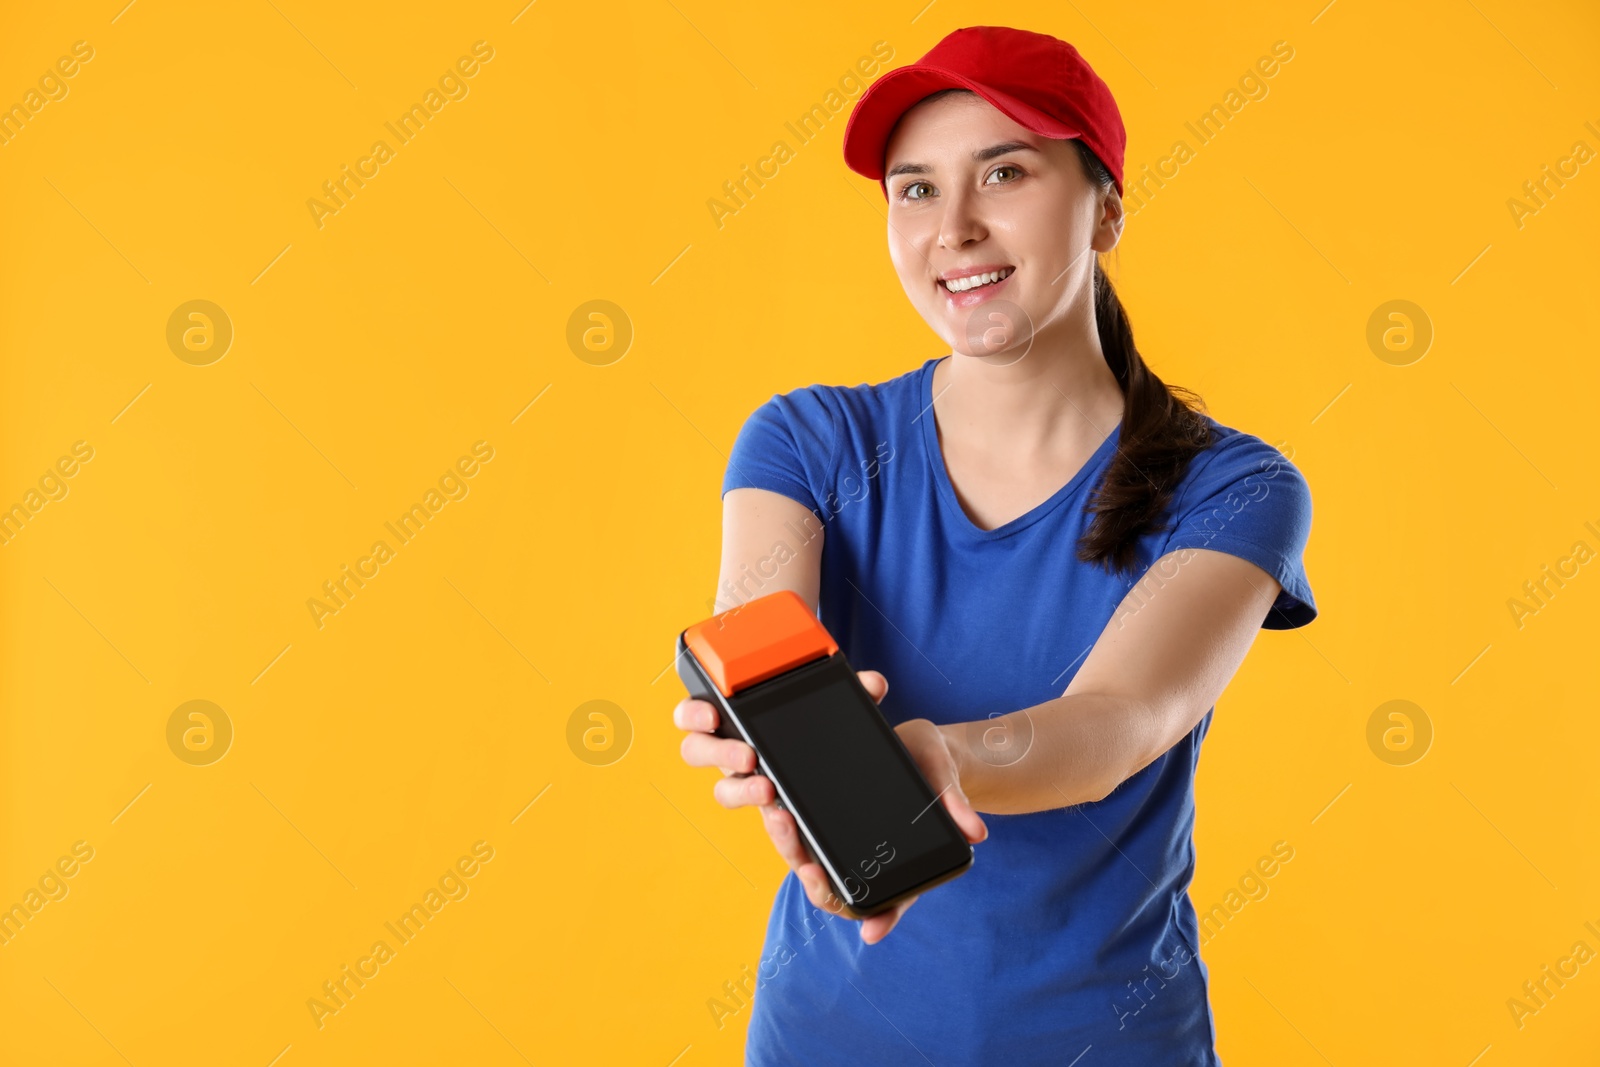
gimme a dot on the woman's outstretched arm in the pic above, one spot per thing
(1160, 664)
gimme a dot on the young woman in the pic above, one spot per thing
(1060, 564)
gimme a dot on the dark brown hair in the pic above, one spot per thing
(1163, 428)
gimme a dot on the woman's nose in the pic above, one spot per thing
(960, 223)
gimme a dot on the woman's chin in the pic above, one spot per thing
(994, 357)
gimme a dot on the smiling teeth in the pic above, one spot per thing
(961, 285)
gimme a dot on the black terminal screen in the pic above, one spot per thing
(867, 806)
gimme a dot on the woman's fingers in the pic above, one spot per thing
(692, 714)
(931, 748)
(961, 810)
(744, 789)
(876, 684)
(786, 837)
(701, 716)
(876, 927)
(815, 881)
(709, 750)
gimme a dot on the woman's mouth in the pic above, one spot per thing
(972, 289)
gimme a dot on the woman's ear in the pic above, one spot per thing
(1110, 220)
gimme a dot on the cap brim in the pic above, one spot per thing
(866, 135)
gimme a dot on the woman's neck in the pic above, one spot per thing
(1060, 398)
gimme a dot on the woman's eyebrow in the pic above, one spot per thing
(982, 155)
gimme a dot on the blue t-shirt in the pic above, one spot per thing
(1073, 928)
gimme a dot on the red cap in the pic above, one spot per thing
(1035, 80)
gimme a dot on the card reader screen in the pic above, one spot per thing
(867, 808)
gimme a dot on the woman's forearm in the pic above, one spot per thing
(1066, 751)
(1146, 683)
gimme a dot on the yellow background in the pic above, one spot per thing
(370, 353)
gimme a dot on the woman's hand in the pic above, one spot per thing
(930, 747)
(741, 786)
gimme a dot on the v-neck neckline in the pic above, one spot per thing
(947, 493)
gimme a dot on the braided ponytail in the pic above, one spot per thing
(1163, 429)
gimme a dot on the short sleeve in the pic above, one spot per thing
(786, 445)
(1249, 501)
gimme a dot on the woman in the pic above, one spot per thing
(1060, 564)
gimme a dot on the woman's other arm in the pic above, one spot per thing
(1162, 661)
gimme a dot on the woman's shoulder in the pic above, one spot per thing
(1245, 497)
(1234, 454)
(865, 392)
(865, 402)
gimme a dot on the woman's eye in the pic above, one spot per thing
(912, 190)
